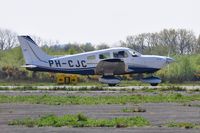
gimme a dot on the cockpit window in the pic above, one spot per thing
(120, 54)
(134, 53)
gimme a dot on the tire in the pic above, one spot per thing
(154, 84)
(111, 84)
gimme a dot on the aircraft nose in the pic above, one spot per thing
(169, 60)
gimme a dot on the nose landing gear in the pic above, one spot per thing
(152, 80)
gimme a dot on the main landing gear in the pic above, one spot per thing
(111, 80)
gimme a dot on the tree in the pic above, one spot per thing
(186, 41)
(198, 40)
(73, 46)
(168, 40)
(153, 43)
(102, 46)
(131, 43)
(41, 42)
(197, 50)
(87, 47)
(140, 43)
(8, 39)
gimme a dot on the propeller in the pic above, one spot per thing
(168, 58)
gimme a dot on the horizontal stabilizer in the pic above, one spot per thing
(29, 66)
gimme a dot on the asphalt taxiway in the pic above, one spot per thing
(157, 113)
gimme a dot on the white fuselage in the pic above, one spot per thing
(85, 63)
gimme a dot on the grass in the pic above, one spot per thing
(92, 100)
(186, 125)
(54, 88)
(98, 88)
(80, 120)
(11, 82)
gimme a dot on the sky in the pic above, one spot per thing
(97, 21)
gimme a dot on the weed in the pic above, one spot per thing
(134, 109)
(191, 105)
(80, 120)
(185, 125)
(81, 117)
(172, 88)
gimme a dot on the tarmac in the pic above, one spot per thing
(157, 113)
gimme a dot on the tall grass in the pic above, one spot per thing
(183, 69)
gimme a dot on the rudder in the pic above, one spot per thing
(32, 53)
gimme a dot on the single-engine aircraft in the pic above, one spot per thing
(107, 62)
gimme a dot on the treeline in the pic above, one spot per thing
(8, 40)
(167, 41)
(72, 48)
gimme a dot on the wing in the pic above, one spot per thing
(111, 67)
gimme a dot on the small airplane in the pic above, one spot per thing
(108, 62)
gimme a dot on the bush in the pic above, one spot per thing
(183, 69)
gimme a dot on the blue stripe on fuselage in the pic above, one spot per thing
(82, 71)
(89, 71)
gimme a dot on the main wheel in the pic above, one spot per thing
(154, 84)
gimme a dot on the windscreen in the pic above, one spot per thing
(134, 53)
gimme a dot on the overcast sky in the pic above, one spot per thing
(97, 21)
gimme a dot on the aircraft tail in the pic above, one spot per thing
(32, 53)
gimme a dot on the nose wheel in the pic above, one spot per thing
(154, 84)
(111, 85)
(152, 80)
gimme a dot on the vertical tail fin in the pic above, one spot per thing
(32, 53)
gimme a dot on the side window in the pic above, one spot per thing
(91, 57)
(120, 54)
(104, 56)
